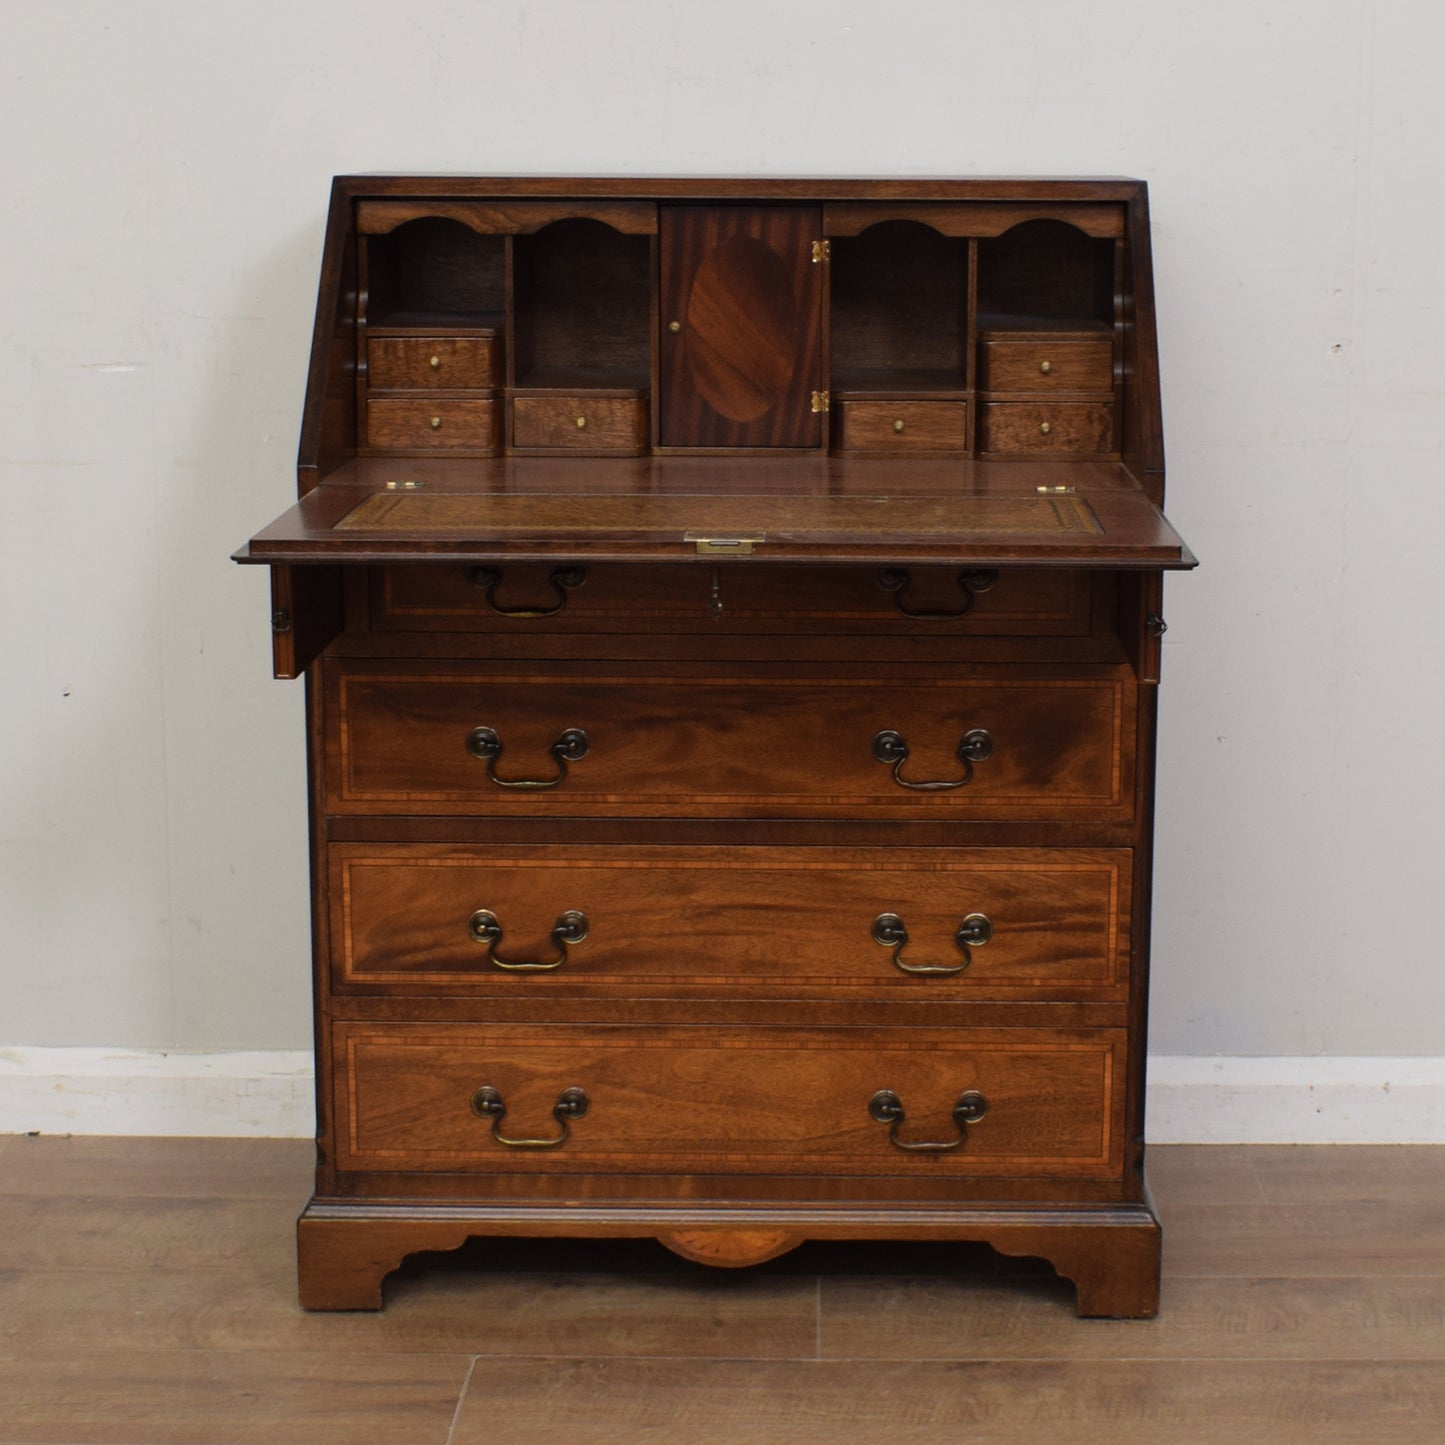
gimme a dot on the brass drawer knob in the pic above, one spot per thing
(889, 748)
(487, 1103)
(569, 930)
(889, 931)
(435, 362)
(581, 422)
(887, 1108)
(436, 422)
(898, 425)
(674, 327)
(561, 580)
(485, 744)
(1045, 427)
(1046, 367)
(969, 582)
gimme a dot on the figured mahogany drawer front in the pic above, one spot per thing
(580, 423)
(901, 426)
(443, 423)
(426, 363)
(616, 598)
(1046, 426)
(728, 1100)
(638, 740)
(984, 923)
(1043, 364)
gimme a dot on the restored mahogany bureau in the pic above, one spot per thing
(730, 613)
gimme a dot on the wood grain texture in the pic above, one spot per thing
(777, 600)
(901, 427)
(102, 1167)
(204, 1397)
(1241, 1318)
(837, 1341)
(426, 363)
(1057, 363)
(746, 295)
(580, 423)
(700, 741)
(922, 1403)
(433, 423)
(1059, 920)
(775, 1101)
(1046, 426)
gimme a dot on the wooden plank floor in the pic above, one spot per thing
(147, 1296)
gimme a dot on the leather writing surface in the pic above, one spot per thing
(831, 518)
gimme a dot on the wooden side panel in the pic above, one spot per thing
(742, 288)
(306, 613)
(328, 417)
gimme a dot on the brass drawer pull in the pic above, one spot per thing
(484, 743)
(887, 1108)
(570, 929)
(889, 747)
(571, 1104)
(561, 580)
(970, 583)
(889, 931)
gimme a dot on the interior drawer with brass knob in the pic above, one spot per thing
(1075, 427)
(427, 363)
(496, 1098)
(721, 740)
(547, 921)
(430, 423)
(887, 427)
(584, 422)
(1045, 363)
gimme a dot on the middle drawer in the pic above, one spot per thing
(637, 740)
(983, 923)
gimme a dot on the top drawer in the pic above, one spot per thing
(1038, 364)
(434, 363)
(542, 598)
(696, 740)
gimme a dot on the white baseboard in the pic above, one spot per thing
(269, 1095)
(1296, 1100)
(145, 1091)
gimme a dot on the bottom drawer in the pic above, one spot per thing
(726, 1099)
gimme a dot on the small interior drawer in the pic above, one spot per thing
(430, 363)
(580, 423)
(440, 423)
(901, 426)
(1080, 427)
(1046, 364)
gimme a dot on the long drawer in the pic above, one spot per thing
(540, 598)
(638, 740)
(481, 1099)
(1000, 923)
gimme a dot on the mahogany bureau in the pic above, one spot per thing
(730, 613)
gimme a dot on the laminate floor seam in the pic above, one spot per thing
(461, 1400)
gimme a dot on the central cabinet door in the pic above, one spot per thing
(742, 343)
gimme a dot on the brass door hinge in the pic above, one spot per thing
(820, 401)
(822, 251)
